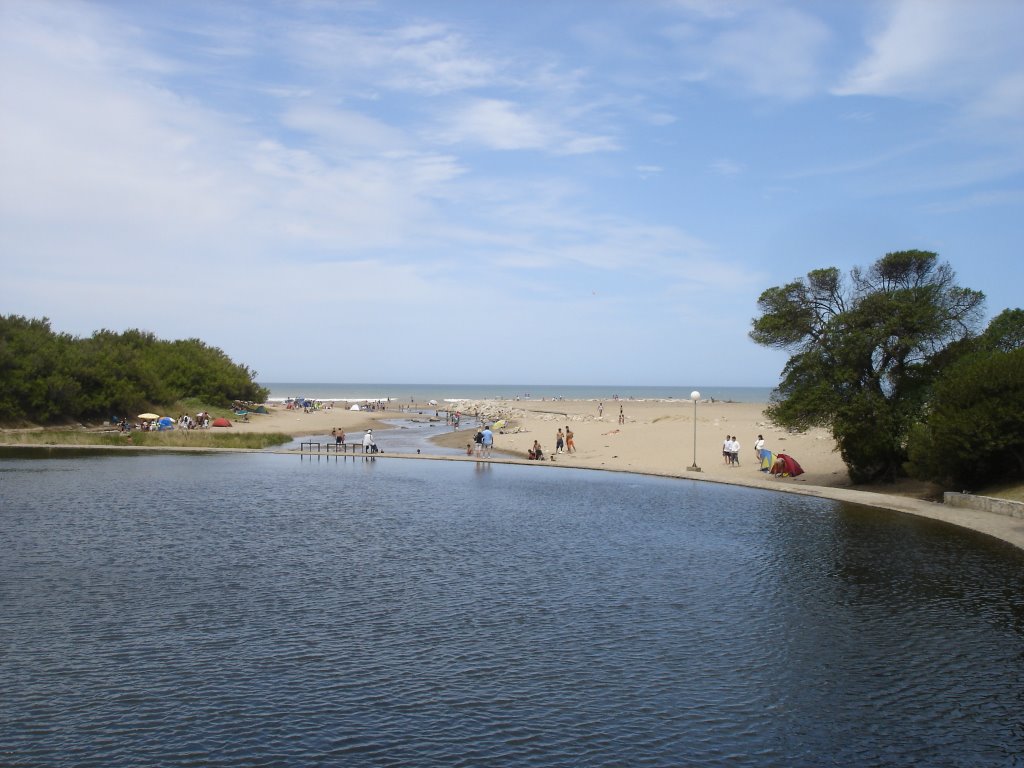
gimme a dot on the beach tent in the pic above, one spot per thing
(221, 422)
(355, 407)
(432, 402)
(166, 422)
(786, 466)
(261, 409)
(767, 460)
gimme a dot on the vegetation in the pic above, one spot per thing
(48, 377)
(973, 431)
(866, 351)
(171, 439)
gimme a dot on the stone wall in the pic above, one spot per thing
(985, 504)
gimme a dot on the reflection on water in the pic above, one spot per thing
(241, 610)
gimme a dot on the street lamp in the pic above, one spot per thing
(695, 396)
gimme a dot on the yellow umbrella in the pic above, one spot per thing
(499, 423)
(149, 415)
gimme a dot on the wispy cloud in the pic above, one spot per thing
(943, 49)
(499, 124)
(726, 167)
(770, 51)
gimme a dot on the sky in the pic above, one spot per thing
(547, 192)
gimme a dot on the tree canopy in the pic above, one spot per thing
(972, 431)
(47, 376)
(865, 350)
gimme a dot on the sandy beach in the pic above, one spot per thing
(655, 437)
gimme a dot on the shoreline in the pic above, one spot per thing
(655, 438)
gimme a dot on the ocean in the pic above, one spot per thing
(421, 393)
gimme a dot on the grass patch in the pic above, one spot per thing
(1010, 492)
(171, 439)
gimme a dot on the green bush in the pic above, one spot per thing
(974, 433)
(47, 377)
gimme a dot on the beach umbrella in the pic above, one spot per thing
(432, 402)
(499, 423)
(149, 416)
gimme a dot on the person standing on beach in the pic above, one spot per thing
(727, 450)
(600, 410)
(735, 451)
(559, 441)
(570, 446)
(759, 446)
(622, 416)
(487, 441)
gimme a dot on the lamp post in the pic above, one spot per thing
(695, 396)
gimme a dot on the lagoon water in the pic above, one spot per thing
(242, 610)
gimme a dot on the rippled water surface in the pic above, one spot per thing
(249, 610)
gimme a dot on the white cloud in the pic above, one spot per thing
(771, 52)
(344, 131)
(427, 58)
(942, 49)
(503, 125)
(726, 167)
(774, 54)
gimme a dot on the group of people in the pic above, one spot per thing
(564, 441)
(483, 442)
(369, 442)
(731, 451)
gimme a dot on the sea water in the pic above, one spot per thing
(240, 610)
(422, 393)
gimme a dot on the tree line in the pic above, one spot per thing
(893, 360)
(48, 377)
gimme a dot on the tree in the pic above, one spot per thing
(974, 432)
(48, 377)
(864, 352)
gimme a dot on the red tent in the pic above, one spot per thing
(786, 466)
(221, 422)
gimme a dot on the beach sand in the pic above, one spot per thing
(656, 438)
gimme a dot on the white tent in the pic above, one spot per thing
(355, 407)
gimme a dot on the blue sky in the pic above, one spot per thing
(496, 192)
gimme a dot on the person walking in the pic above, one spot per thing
(735, 451)
(570, 446)
(487, 441)
(622, 416)
(758, 447)
(368, 441)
